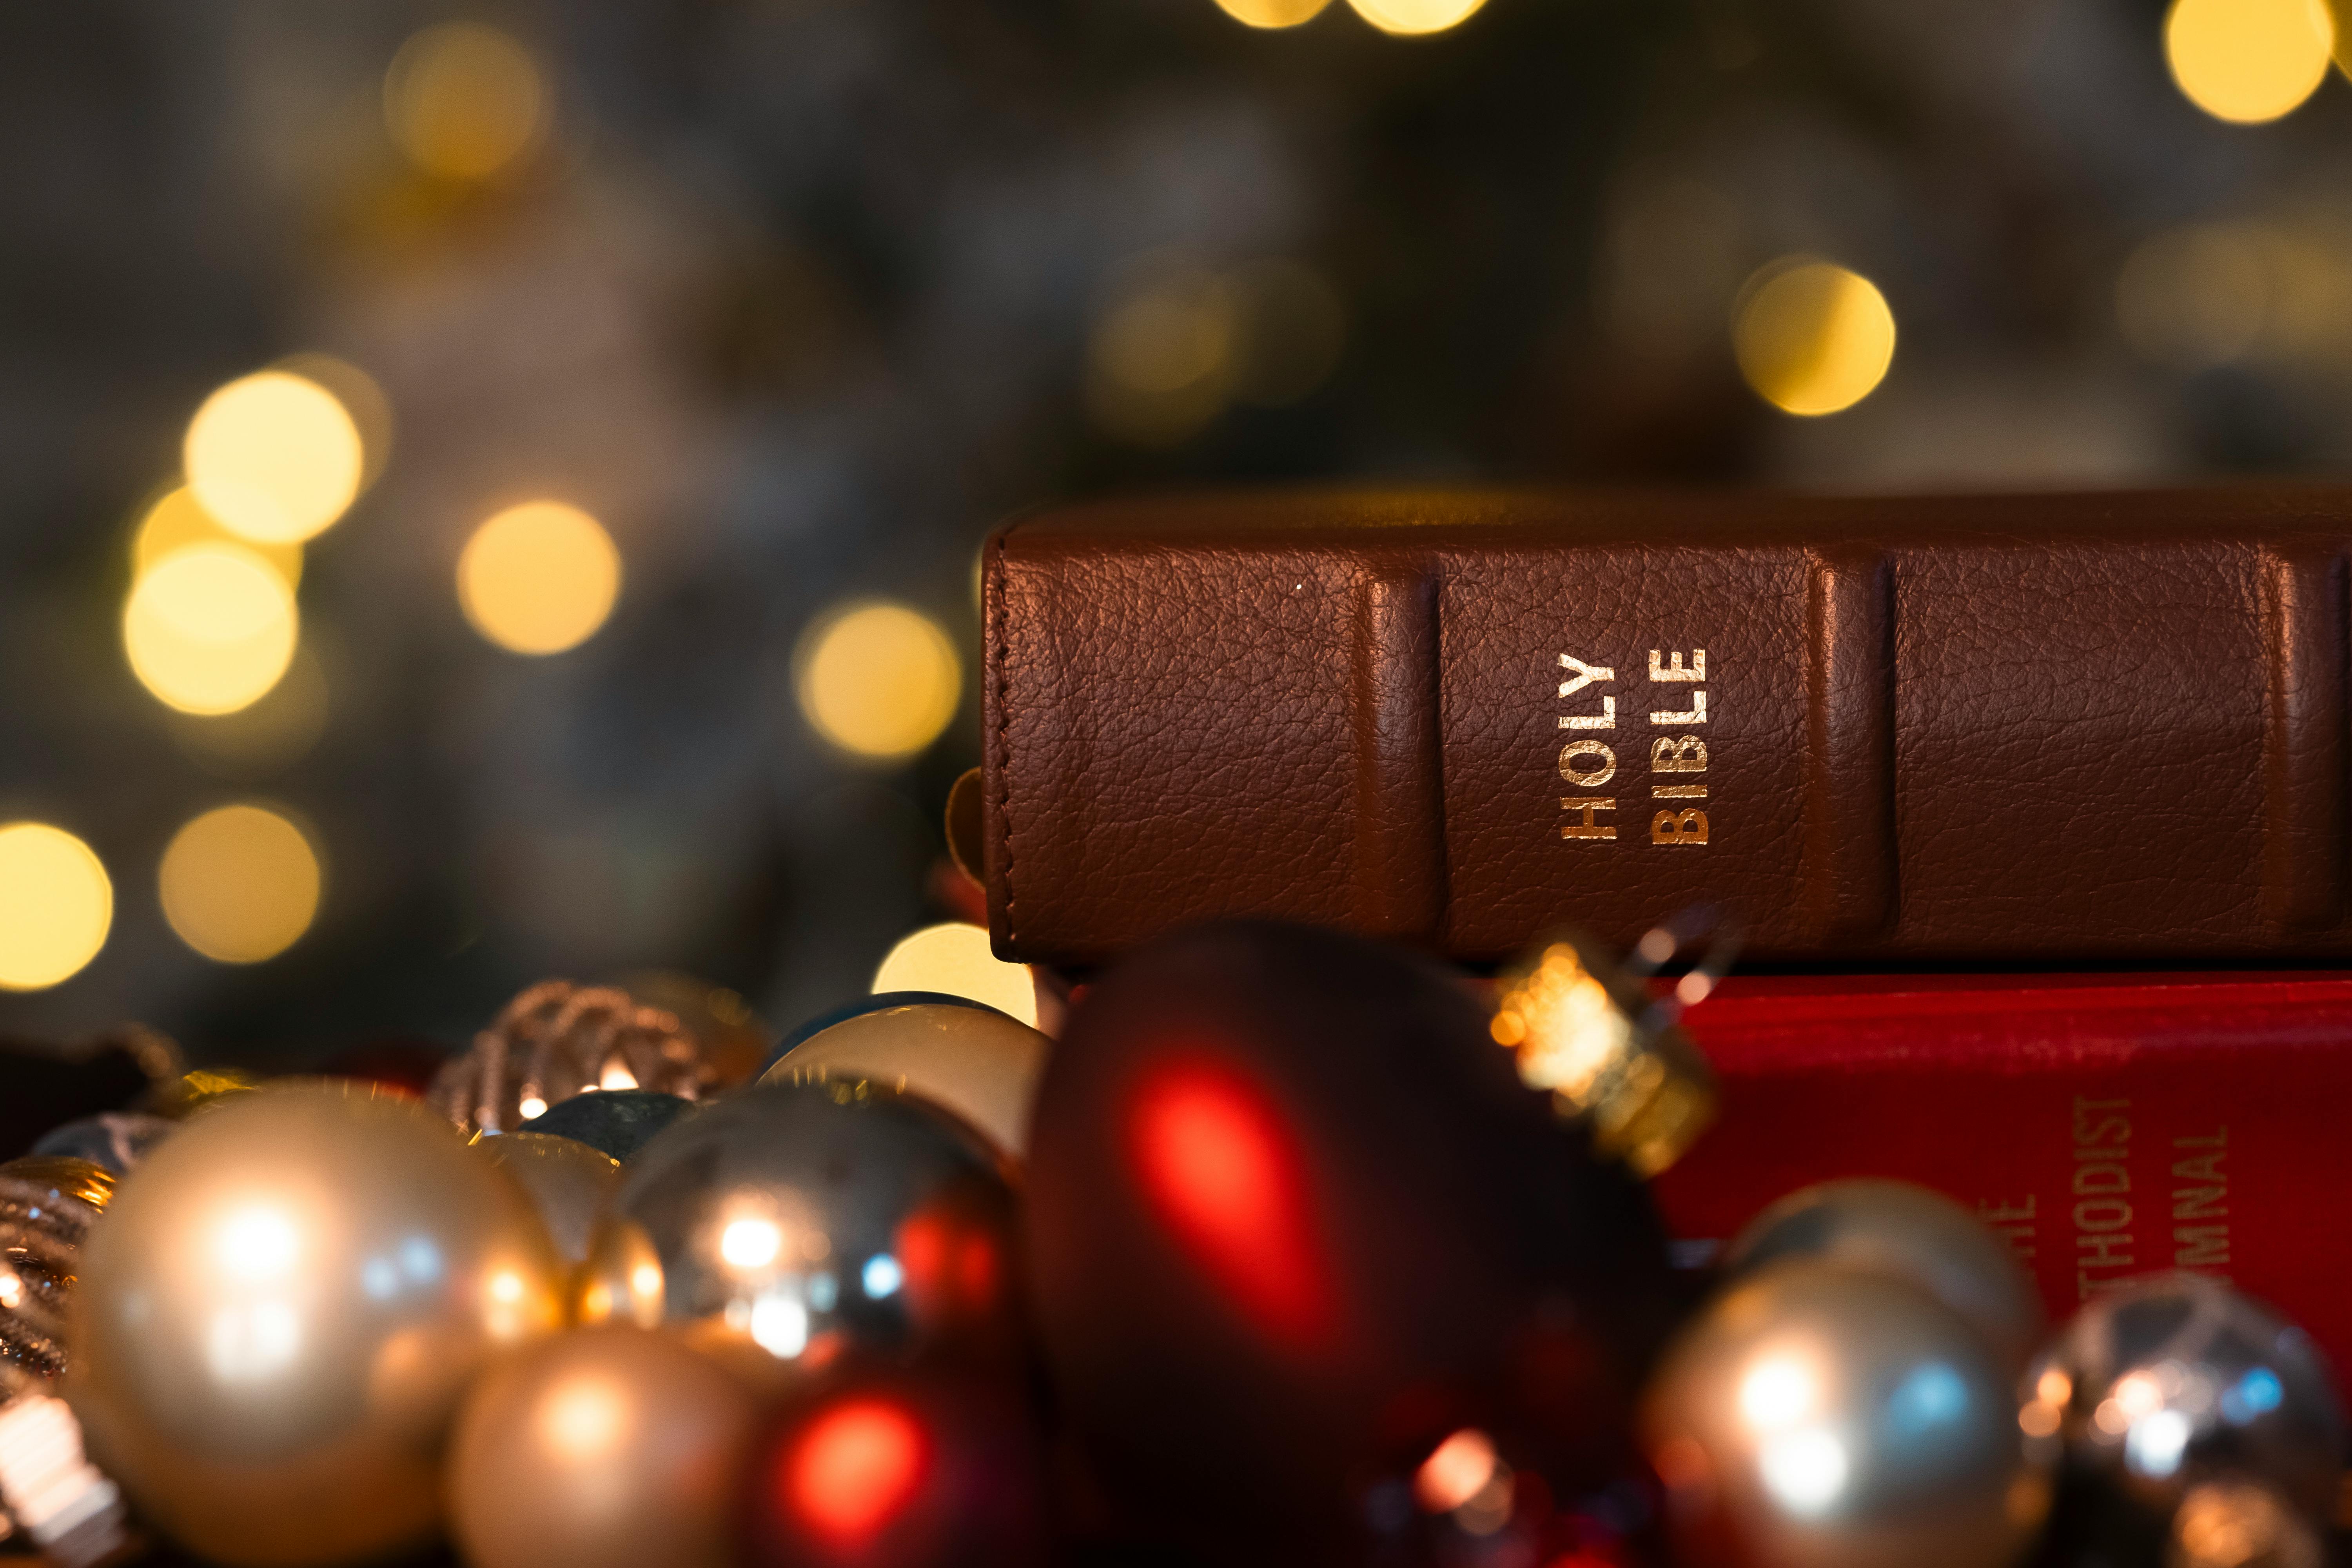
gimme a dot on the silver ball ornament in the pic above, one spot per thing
(1899, 1228)
(1815, 1416)
(2161, 1385)
(276, 1324)
(966, 1059)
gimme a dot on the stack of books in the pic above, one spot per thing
(2033, 810)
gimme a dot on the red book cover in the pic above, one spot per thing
(2106, 1125)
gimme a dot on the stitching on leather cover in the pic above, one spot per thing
(1003, 741)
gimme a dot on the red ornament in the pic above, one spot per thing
(1294, 1221)
(898, 1469)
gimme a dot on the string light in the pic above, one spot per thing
(56, 905)
(240, 884)
(275, 457)
(464, 101)
(878, 681)
(1271, 14)
(2247, 61)
(209, 628)
(539, 578)
(1415, 17)
(176, 522)
(1812, 337)
(955, 960)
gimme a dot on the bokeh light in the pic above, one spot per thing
(176, 522)
(240, 884)
(539, 578)
(955, 960)
(1161, 357)
(209, 628)
(1273, 12)
(1293, 328)
(2195, 296)
(1812, 337)
(878, 681)
(1415, 17)
(266, 737)
(56, 905)
(464, 101)
(2247, 61)
(275, 457)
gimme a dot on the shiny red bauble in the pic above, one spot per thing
(895, 1467)
(1294, 1221)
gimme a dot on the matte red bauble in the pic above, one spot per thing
(1294, 1221)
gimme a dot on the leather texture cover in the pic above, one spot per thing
(1984, 730)
(2107, 1127)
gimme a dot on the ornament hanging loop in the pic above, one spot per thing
(1685, 928)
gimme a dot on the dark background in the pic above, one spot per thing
(797, 297)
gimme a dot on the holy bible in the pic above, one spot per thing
(1985, 730)
(2107, 1126)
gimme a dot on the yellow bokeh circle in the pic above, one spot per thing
(955, 960)
(1413, 17)
(539, 577)
(464, 101)
(878, 681)
(56, 905)
(275, 457)
(2247, 61)
(240, 884)
(1271, 13)
(176, 522)
(209, 628)
(1812, 337)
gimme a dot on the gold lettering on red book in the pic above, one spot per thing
(2101, 1182)
(2014, 1223)
(2202, 1247)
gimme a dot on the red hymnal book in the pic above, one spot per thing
(2106, 1125)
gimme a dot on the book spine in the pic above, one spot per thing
(2182, 1129)
(1884, 746)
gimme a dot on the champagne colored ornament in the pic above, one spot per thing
(1894, 1227)
(617, 1122)
(556, 1040)
(2160, 1386)
(961, 1057)
(568, 1182)
(275, 1325)
(887, 1468)
(1818, 1417)
(608, 1448)
(47, 1205)
(810, 1222)
(1293, 1219)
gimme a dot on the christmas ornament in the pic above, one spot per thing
(48, 1491)
(617, 1122)
(568, 1182)
(394, 1062)
(556, 1040)
(810, 1221)
(887, 1468)
(2230, 1523)
(964, 1058)
(275, 1323)
(2162, 1385)
(608, 1448)
(1894, 1227)
(877, 1002)
(1293, 1220)
(47, 1205)
(1819, 1416)
(115, 1141)
(734, 1041)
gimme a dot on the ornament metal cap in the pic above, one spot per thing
(1587, 1031)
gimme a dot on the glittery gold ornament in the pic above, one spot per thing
(568, 1182)
(608, 1448)
(1897, 1228)
(556, 1040)
(48, 1205)
(972, 1060)
(275, 1324)
(1816, 1417)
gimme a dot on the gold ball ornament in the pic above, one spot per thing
(276, 1324)
(568, 1182)
(556, 1040)
(974, 1061)
(1894, 1227)
(613, 1446)
(1814, 1417)
(48, 1204)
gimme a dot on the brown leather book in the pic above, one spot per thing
(1989, 729)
